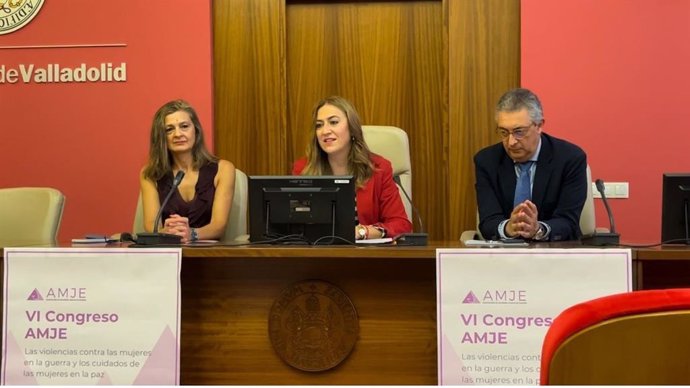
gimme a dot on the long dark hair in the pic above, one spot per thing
(160, 158)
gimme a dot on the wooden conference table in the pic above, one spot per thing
(228, 292)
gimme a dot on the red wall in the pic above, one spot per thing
(89, 140)
(613, 77)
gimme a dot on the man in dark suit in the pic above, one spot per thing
(531, 185)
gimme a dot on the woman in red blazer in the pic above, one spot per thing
(338, 148)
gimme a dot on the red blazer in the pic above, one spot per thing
(378, 202)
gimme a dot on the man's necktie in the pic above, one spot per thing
(523, 190)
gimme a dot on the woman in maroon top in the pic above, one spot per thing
(200, 206)
(338, 148)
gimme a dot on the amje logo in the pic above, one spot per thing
(497, 297)
(35, 295)
(15, 14)
(471, 298)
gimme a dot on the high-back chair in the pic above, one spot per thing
(392, 143)
(588, 223)
(587, 219)
(30, 215)
(236, 228)
(635, 338)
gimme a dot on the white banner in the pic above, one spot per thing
(495, 306)
(81, 316)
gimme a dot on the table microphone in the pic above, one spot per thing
(602, 238)
(419, 238)
(156, 238)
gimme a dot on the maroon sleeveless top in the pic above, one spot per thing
(199, 209)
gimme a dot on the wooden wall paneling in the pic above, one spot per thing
(310, 68)
(428, 124)
(387, 58)
(250, 100)
(483, 62)
(433, 68)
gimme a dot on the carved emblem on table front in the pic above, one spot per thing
(313, 325)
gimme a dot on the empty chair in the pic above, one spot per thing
(236, 229)
(392, 143)
(635, 338)
(30, 215)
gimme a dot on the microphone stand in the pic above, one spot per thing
(157, 238)
(417, 239)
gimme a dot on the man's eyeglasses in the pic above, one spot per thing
(518, 133)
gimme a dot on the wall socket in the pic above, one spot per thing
(613, 190)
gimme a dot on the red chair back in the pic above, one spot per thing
(640, 337)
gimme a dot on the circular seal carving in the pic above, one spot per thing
(15, 14)
(313, 325)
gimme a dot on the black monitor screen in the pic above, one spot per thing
(674, 208)
(309, 209)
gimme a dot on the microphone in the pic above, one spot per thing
(602, 238)
(156, 238)
(419, 238)
(602, 190)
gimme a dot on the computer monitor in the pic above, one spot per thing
(306, 209)
(675, 205)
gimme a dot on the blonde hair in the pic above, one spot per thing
(359, 158)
